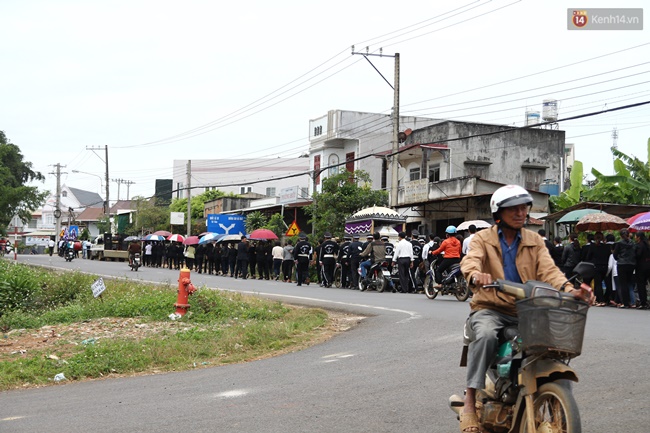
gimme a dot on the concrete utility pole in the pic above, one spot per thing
(395, 141)
(189, 197)
(57, 206)
(119, 182)
(107, 202)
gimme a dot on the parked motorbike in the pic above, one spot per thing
(528, 385)
(453, 283)
(378, 278)
(69, 254)
(135, 262)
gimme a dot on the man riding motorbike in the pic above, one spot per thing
(451, 246)
(134, 247)
(505, 251)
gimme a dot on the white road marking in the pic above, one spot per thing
(232, 394)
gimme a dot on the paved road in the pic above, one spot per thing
(393, 373)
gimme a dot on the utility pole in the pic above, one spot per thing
(57, 206)
(394, 163)
(119, 182)
(107, 202)
(189, 198)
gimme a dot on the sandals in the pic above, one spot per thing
(469, 422)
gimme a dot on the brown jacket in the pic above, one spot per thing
(533, 263)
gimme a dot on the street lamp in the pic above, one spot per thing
(101, 184)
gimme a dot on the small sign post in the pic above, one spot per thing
(98, 287)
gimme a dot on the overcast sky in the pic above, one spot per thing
(162, 80)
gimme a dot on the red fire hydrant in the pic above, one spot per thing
(185, 289)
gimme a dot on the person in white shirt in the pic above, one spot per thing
(278, 254)
(468, 239)
(403, 257)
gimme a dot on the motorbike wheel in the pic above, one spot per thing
(555, 409)
(429, 291)
(462, 290)
(337, 278)
(362, 286)
(381, 283)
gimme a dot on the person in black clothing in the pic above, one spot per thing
(598, 254)
(642, 269)
(354, 249)
(302, 254)
(242, 258)
(329, 254)
(317, 260)
(586, 247)
(169, 254)
(199, 258)
(417, 259)
(209, 257)
(343, 261)
(260, 256)
(232, 259)
(548, 243)
(625, 255)
(556, 252)
(252, 258)
(571, 255)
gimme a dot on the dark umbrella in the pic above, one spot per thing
(263, 234)
(600, 222)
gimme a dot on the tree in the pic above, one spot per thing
(255, 220)
(277, 225)
(16, 198)
(341, 196)
(572, 195)
(198, 202)
(629, 185)
(148, 216)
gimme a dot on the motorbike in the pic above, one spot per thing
(378, 278)
(69, 255)
(135, 262)
(453, 283)
(529, 383)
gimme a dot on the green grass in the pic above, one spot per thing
(220, 327)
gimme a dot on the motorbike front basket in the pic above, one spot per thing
(552, 325)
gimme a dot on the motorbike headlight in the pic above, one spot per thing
(549, 292)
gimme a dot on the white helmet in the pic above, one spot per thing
(508, 196)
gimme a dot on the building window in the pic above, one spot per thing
(533, 178)
(349, 162)
(317, 169)
(414, 174)
(64, 193)
(270, 191)
(245, 189)
(332, 162)
(478, 170)
(434, 173)
(318, 130)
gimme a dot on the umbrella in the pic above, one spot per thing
(191, 240)
(176, 238)
(230, 238)
(575, 215)
(154, 237)
(210, 237)
(263, 234)
(598, 222)
(631, 220)
(641, 222)
(164, 233)
(131, 238)
(480, 224)
(203, 234)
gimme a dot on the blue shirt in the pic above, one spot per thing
(509, 254)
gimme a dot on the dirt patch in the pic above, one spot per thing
(58, 338)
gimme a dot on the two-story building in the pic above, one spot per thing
(348, 140)
(449, 170)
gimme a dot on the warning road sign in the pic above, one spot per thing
(293, 229)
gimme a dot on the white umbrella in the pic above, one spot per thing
(210, 237)
(230, 238)
(480, 224)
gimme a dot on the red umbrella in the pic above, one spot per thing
(191, 240)
(263, 234)
(164, 233)
(641, 222)
(176, 238)
(631, 220)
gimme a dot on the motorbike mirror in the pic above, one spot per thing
(586, 270)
